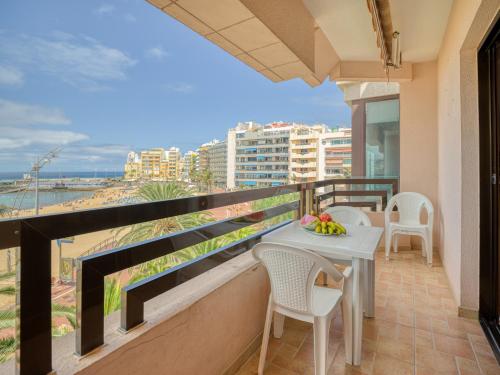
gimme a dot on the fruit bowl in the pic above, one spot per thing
(322, 225)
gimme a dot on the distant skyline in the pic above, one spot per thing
(103, 78)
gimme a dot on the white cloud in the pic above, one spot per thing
(157, 53)
(96, 153)
(80, 61)
(11, 76)
(13, 138)
(15, 114)
(108, 150)
(181, 87)
(104, 9)
(17, 133)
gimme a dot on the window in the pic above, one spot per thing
(375, 137)
(382, 138)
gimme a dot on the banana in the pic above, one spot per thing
(340, 228)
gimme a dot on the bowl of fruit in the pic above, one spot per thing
(322, 225)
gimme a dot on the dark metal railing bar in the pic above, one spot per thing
(68, 224)
(115, 260)
(34, 310)
(352, 193)
(371, 205)
(92, 269)
(134, 296)
(75, 223)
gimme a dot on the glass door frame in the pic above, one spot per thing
(489, 180)
(358, 125)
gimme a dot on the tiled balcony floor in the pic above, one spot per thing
(416, 330)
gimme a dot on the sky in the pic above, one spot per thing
(102, 78)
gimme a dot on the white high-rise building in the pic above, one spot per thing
(261, 154)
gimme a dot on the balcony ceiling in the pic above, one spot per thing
(348, 27)
(311, 39)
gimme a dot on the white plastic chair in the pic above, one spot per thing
(410, 206)
(354, 216)
(349, 215)
(292, 272)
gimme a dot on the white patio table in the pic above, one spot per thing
(360, 245)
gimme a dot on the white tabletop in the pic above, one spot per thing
(360, 241)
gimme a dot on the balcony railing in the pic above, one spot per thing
(33, 235)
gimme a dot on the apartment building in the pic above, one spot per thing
(217, 163)
(335, 154)
(155, 164)
(261, 154)
(173, 158)
(202, 151)
(304, 153)
(189, 166)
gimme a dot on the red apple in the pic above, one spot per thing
(324, 217)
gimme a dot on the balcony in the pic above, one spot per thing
(306, 155)
(174, 318)
(205, 316)
(302, 147)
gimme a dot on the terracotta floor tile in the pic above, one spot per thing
(464, 325)
(433, 359)
(423, 339)
(386, 365)
(396, 349)
(467, 366)
(416, 330)
(275, 370)
(453, 345)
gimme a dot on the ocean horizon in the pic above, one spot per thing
(9, 176)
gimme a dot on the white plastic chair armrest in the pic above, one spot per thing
(347, 272)
(330, 269)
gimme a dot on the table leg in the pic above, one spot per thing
(369, 278)
(357, 309)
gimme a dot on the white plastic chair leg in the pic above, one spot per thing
(357, 309)
(278, 323)
(369, 295)
(347, 319)
(388, 237)
(428, 248)
(265, 337)
(431, 248)
(321, 337)
(395, 243)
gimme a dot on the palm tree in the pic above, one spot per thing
(197, 250)
(112, 295)
(4, 210)
(237, 235)
(156, 191)
(207, 179)
(264, 204)
(159, 191)
(8, 345)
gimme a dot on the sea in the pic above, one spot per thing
(46, 198)
(11, 176)
(26, 200)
